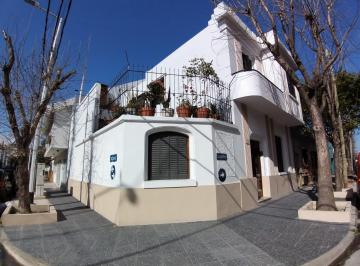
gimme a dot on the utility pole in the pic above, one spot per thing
(43, 94)
(81, 88)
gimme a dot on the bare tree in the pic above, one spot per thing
(20, 87)
(315, 41)
(338, 138)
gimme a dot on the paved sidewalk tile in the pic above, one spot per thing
(269, 235)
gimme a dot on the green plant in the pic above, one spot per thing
(193, 110)
(166, 104)
(156, 93)
(213, 109)
(199, 67)
(182, 101)
(147, 99)
(203, 70)
(133, 103)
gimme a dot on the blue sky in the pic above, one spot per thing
(147, 29)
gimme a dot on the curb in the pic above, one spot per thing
(333, 254)
(17, 254)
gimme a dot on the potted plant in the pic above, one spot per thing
(203, 70)
(194, 110)
(156, 93)
(167, 111)
(146, 109)
(184, 107)
(200, 68)
(202, 112)
(214, 113)
(131, 106)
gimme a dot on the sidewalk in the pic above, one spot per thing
(269, 235)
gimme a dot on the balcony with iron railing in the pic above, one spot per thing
(163, 93)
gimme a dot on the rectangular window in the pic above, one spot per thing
(279, 154)
(291, 87)
(247, 64)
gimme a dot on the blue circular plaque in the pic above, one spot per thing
(222, 174)
(112, 172)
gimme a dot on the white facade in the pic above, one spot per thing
(4, 156)
(58, 141)
(127, 138)
(262, 109)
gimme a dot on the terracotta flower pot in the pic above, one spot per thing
(183, 111)
(146, 111)
(202, 112)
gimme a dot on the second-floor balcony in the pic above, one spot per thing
(255, 90)
(164, 93)
(53, 148)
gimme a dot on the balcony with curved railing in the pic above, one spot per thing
(254, 89)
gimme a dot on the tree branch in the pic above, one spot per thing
(6, 88)
(54, 86)
(22, 111)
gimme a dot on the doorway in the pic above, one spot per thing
(256, 165)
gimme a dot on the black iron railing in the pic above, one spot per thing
(164, 92)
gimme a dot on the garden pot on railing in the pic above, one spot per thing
(167, 112)
(146, 111)
(183, 111)
(202, 112)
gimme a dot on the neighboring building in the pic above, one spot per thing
(4, 159)
(7, 154)
(164, 168)
(57, 142)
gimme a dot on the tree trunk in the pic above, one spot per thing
(22, 179)
(326, 200)
(338, 163)
(339, 178)
(344, 163)
(340, 129)
(339, 157)
(349, 153)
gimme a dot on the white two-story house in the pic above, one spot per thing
(155, 166)
(57, 140)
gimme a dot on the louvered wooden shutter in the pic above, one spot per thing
(168, 156)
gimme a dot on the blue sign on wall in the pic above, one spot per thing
(221, 156)
(113, 158)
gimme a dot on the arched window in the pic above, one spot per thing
(168, 156)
